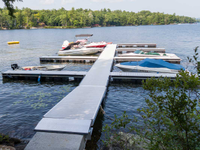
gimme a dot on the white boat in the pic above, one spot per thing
(84, 42)
(101, 44)
(74, 49)
(150, 65)
(80, 41)
(139, 53)
(79, 51)
(42, 68)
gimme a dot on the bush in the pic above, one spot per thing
(171, 118)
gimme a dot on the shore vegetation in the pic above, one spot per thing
(168, 120)
(27, 18)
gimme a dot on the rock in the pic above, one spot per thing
(126, 141)
(4, 147)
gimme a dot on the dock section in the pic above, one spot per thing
(157, 50)
(79, 75)
(136, 45)
(44, 75)
(75, 114)
(60, 59)
(89, 59)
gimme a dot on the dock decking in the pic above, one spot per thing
(69, 124)
(157, 50)
(88, 59)
(136, 45)
(80, 59)
(79, 75)
(77, 112)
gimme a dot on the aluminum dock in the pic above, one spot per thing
(60, 59)
(136, 45)
(74, 116)
(79, 75)
(157, 50)
(69, 124)
(88, 59)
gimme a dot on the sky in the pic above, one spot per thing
(188, 8)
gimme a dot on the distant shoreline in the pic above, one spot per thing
(64, 27)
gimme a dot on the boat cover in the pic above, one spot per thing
(154, 63)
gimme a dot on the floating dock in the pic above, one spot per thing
(69, 124)
(157, 50)
(137, 45)
(60, 59)
(76, 113)
(79, 75)
(88, 59)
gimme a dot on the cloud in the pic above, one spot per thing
(46, 2)
(67, 1)
(109, 1)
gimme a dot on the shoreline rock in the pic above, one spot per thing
(10, 143)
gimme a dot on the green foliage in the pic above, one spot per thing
(194, 60)
(170, 118)
(117, 124)
(171, 115)
(84, 18)
(9, 5)
(4, 138)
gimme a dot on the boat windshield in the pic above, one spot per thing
(138, 52)
(152, 53)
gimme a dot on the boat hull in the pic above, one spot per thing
(126, 68)
(161, 55)
(79, 52)
(44, 68)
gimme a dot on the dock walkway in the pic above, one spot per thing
(157, 50)
(76, 113)
(92, 59)
(75, 75)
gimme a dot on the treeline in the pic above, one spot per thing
(26, 18)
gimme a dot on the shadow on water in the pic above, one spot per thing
(93, 144)
(114, 96)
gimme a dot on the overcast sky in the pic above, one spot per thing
(189, 8)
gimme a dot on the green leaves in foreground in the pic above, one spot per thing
(170, 118)
(171, 115)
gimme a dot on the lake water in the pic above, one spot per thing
(23, 103)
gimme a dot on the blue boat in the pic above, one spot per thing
(150, 65)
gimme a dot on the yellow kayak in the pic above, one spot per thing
(13, 42)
